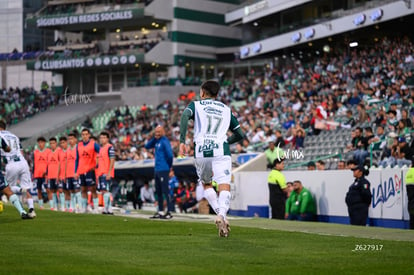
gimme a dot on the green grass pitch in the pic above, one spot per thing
(65, 243)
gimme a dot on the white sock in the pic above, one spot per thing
(224, 202)
(211, 197)
(30, 203)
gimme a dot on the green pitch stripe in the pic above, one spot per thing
(205, 40)
(200, 16)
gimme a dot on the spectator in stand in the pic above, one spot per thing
(299, 139)
(362, 114)
(378, 142)
(311, 166)
(179, 195)
(392, 121)
(146, 195)
(272, 153)
(191, 198)
(406, 119)
(341, 165)
(320, 165)
(361, 152)
(350, 121)
(402, 129)
(355, 99)
(404, 153)
(172, 186)
(301, 204)
(289, 188)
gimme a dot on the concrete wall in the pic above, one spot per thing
(154, 95)
(16, 75)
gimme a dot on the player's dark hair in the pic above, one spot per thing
(52, 139)
(3, 124)
(86, 130)
(104, 133)
(63, 139)
(41, 139)
(211, 87)
(73, 134)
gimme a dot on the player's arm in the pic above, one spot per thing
(236, 130)
(58, 170)
(168, 152)
(111, 154)
(76, 162)
(34, 163)
(282, 183)
(97, 148)
(304, 203)
(151, 143)
(188, 114)
(66, 165)
(5, 146)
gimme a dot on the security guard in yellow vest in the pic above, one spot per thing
(277, 189)
(409, 183)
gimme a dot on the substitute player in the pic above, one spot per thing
(86, 160)
(17, 168)
(5, 188)
(64, 194)
(72, 184)
(105, 171)
(53, 172)
(212, 120)
(40, 168)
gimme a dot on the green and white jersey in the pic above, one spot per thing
(212, 120)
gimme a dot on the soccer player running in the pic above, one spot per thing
(5, 188)
(53, 172)
(106, 170)
(212, 120)
(64, 194)
(40, 168)
(87, 151)
(72, 184)
(17, 168)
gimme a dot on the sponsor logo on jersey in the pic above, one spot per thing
(212, 111)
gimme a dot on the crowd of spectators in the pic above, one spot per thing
(17, 104)
(369, 87)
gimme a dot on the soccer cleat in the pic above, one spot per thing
(32, 213)
(167, 216)
(156, 216)
(222, 227)
(26, 216)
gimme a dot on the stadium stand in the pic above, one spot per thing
(18, 104)
(312, 97)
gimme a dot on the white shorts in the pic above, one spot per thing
(214, 168)
(19, 170)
